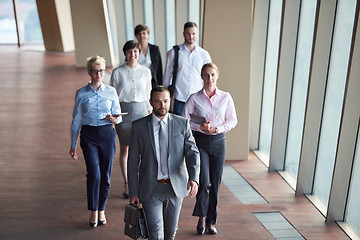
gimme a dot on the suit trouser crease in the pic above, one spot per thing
(98, 145)
(162, 213)
(212, 158)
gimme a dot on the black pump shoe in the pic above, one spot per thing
(102, 222)
(93, 225)
(125, 195)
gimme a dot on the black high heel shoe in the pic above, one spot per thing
(126, 191)
(201, 226)
(93, 225)
(101, 222)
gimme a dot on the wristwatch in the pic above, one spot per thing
(216, 130)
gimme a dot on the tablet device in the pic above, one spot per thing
(121, 114)
(117, 115)
(197, 119)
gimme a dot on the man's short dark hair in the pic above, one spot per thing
(158, 88)
(189, 25)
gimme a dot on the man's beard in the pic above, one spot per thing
(190, 42)
(161, 113)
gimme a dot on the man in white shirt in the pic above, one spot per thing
(191, 59)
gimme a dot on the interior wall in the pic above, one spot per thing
(91, 31)
(227, 37)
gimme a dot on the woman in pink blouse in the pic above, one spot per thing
(217, 108)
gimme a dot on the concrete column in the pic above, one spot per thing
(56, 25)
(92, 31)
(227, 37)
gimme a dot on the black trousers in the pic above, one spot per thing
(212, 157)
(98, 145)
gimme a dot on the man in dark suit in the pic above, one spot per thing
(163, 165)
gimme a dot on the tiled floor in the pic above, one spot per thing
(43, 190)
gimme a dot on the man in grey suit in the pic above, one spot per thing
(163, 165)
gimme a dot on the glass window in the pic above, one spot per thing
(271, 65)
(149, 19)
(7, 23)
(29, 23)
(334, 99)
(112, 20)
(129, 21)
(170, 24)
(300, 86)
(353, 207)
(194, 14)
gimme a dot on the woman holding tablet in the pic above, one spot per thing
(96, 109)
(212, 113)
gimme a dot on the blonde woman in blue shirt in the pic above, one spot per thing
(96, 109)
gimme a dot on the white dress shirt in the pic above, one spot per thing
(156, 128)
(188, 79)
(132, 84)
(145, 60)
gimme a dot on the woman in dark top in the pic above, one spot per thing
(149, 55)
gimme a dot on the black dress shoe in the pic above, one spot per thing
(101, 222)
(211, 229)
(200, 230)
(93, 225)
(201, 226)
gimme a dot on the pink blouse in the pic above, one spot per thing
(219, 110)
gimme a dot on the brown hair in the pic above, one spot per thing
(140, 28)
(158, 88)
(189, 25)
(130, 45)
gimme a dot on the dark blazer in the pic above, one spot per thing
(142, 168)
(156, 65)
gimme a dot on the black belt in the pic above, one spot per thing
(208, 137)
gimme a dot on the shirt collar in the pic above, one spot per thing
(155, 119)
(102, 86)
(183, 47)
(132, 69)
(204, 92)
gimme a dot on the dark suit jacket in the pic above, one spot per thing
(142, 163)
(156, 66)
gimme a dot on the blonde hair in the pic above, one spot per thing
(94, 60)
(209, 65)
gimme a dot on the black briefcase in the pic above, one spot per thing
(135, 222)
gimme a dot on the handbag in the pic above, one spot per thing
(135, 222)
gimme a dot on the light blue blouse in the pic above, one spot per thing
(91, 107)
